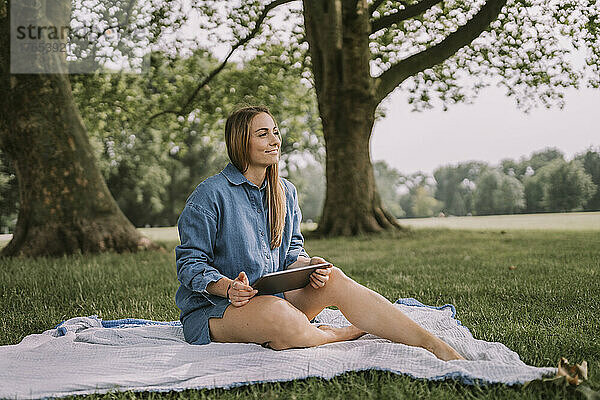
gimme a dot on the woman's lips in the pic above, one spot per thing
(272, 151)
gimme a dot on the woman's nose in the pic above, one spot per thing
(275, 139)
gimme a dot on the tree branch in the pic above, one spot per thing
(402, 15)
(218, 69)
(465, 34)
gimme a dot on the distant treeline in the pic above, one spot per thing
(542, 182)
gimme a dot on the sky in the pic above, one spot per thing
(491, 129)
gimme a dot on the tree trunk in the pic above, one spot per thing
(338, 37)
(65, 205)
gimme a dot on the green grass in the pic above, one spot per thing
(545, 308)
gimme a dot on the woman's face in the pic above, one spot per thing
(265, 141)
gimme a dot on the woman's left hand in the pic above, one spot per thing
(319, 278)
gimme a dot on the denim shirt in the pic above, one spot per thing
(224, 229)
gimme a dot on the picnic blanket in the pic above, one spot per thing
(86, 355)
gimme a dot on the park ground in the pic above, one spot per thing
(536, 290)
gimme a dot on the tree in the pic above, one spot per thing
(528, 165)
(9, 197)
(533, 188)
(498, 193)
(423, 204)
(591, 164)
(388, 182)
(566, 186)
(64, 203)
(455, 184)
(309, 179)
(417, 199)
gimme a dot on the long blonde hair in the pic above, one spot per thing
(237, 140)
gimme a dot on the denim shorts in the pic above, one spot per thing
(195, 324)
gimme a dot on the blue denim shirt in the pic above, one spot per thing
(224, 229)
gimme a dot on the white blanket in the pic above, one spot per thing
(86, 355)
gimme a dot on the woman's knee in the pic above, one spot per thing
(289, 326)
(337, 273)
(336, 276)
(256, 322)
(283, 316)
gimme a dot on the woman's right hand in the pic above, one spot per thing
(240, 292)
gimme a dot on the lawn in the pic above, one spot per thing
(552, 221)
(545, 307)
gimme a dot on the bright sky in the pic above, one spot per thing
(489, 130)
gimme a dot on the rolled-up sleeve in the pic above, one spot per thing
(194, 256)
(297, 243)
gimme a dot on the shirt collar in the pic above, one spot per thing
(234, 176)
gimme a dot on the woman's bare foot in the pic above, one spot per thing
(444, 351)
(345, 333)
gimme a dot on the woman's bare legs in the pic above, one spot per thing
(274, 320)
(285, 323)
(368, 311)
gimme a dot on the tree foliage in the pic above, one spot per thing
(422, 202)
(9, 196)
(590, 160)
(527, 48)
(497, 193)
(418, 200)
(309, 179)
(455, 185)
(406, 195)
(528, 165)
(565, 186)
(152, 167)
(389, 182)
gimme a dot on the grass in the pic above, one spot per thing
(544, 308)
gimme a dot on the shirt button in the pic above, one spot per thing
(262, 233)
(258, 210)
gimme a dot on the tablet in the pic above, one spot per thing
(283, 281)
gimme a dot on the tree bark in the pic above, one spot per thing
(65, 205)
(338, 36)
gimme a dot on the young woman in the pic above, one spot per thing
(245, 222)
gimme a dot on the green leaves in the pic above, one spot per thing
(498, 193)
(561, 186)
(152, 166)
(531, 49)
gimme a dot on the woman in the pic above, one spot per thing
(245, 222)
